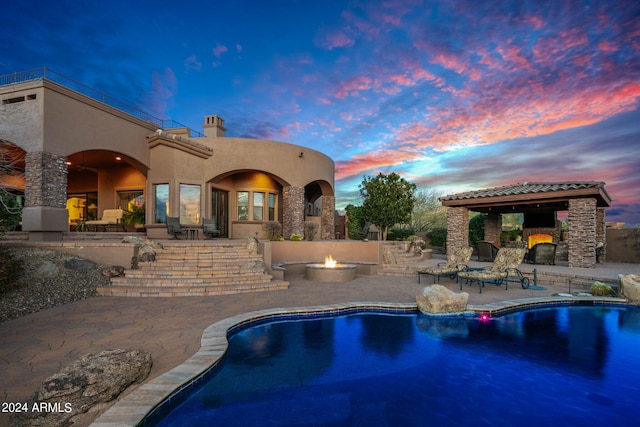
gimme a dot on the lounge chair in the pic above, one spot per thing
(110, 218)
(542, 253)
(504, 268)
(210, 227)
(456, 262)
(487, 251)
(174, 227)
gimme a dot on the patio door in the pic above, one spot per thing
(220, 209)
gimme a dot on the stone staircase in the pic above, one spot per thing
(190, 268)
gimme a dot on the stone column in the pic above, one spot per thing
(328, 227)
(292, 211)
(601, 232)
(582, 232)
(493, 227)
(457, 228)
(45, 213)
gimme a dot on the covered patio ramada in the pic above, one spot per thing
(585, 202)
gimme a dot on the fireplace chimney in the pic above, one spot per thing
(213, 126)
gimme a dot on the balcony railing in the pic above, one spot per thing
(48, 74)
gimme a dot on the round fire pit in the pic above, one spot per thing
(322, 273)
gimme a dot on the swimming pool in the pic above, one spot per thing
(568, 365)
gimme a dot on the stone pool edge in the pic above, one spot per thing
(133, 408)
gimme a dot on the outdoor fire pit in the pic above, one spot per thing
(330, 271)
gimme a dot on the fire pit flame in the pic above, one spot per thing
(329, 262)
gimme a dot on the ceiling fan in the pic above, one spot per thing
(82, 166)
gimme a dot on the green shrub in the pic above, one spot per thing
(600, 289)
(400, 233)
(310, 230)
(10, 269)
(295, 237)
(10, 212)
(438, 237)
(273, 230)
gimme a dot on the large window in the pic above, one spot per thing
(251, 206)
(189, 204)
(272, 207)
(258, 206)
(161, 199)
(243, 206)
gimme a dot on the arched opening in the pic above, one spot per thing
(243, 200)
(102, 179)
(12, 184)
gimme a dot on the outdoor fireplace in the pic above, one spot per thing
(330, 271)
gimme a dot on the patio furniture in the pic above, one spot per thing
(504, 268)
(110, 217)
(542, 253)
(210, 227)
(456, 262)
(487, 251)
(174, 227)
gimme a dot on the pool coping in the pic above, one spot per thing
(134, 407)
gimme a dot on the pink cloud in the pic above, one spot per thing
(219, 50)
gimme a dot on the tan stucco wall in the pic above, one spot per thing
(63, 122)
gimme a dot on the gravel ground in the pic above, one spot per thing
(49, 278)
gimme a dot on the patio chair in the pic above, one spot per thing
(487, 251)
(456, 262)
(210, 227)
(504, 268)
(542, 253)
(174, 227)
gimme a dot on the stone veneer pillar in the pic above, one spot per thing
(493, 227)
(457, 228)
(45, 213)
(292, 211)
(328, 227)
(601, 232)
(582, 232)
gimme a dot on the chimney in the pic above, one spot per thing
(213, 126)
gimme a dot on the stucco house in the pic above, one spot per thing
(84, 152)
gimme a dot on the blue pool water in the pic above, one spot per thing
(573, 366)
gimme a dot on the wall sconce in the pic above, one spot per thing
(301, 154)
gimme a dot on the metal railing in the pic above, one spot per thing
(48, 74)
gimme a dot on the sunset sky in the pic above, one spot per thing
(452, 95)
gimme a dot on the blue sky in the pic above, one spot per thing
(453, 95)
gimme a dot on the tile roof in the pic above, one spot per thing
(527, 188)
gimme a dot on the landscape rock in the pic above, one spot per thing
(113, 271)
(46, 269)
(79, 264)
(146, 249)
(436, 299)
(388, 257)
(630, 287)
(91, 380)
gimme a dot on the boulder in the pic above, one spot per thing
(630, 287)
(79, 264)
(436, 299)
(146, 251)
(252, 245)
(388, 257)
(113, 271)
(92, 379)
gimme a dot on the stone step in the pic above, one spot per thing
(175, 291)
(185, 282)
(191, 274)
